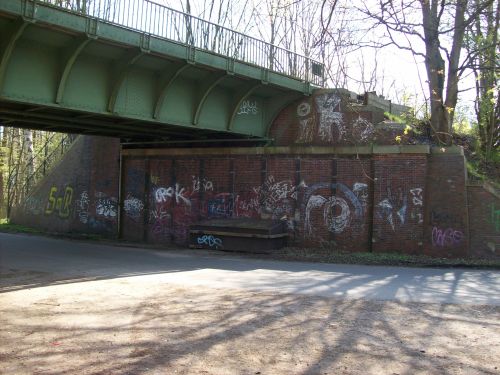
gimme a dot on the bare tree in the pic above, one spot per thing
(433, 30)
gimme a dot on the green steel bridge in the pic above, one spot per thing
(138, 70)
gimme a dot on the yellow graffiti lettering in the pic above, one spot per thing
(60, 204)
(51, 204)
(155, 180)
(66, 203)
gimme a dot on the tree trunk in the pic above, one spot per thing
(29, 157)
(435, 67)
(442, 103)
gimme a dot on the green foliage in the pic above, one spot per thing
(7, 227)
(21, 166)
(394, 118)
(474, 171)
(463, 123)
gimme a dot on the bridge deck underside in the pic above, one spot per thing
(64, 72)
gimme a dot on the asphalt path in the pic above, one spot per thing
(73, 261)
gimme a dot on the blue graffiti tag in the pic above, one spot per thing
(210, 241)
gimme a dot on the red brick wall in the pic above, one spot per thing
(409, 203)
(484, 221)
(446, 218)
(327, 118)
(80, 194)
(135, 199)
(326, 201)
(399, 190)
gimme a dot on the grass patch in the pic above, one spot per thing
(324, 255)
(7, 227)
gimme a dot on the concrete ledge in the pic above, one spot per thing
(401, 149)
(289, 150)
(451, 150)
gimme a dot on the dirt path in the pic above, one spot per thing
(137, 325)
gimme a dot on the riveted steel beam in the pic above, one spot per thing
(166, 81)
(71, 54)
(126, 63)
(241, 94)
(70, 127)
(214, 79)
(94, 124)
(10, 39)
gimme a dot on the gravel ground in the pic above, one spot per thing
(137, 325)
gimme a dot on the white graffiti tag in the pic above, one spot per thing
(306, 124)
(337, 215)
(362, 129)
(106, 206)
(82, 207)
(385, 211)
(416, 196)
(248, 108)
(315, 201)
(336, 223)
(303, 109)
(133, 206)
(306, 130)
(396, 206)
(201, 184)
(162, 194)
(361, 191)
(331, 118)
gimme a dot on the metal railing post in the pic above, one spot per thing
(164, 22)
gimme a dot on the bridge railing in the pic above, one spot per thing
(164, 22)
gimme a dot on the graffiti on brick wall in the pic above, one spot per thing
(361, 191)
(201, 185)
(133, 206)
(448, 237)
(247, 204)
(398, 207)
(273, 199)
(331, 126)
(307, 126)
(275, 196)
(106, 206)
(417, 202)
(220, 205)
(210, 241)
(162, 194)
(174, 208)
(155, 180)
(59, 202)
(393, 208)
(34, 205)
(416, 196)
(362, 130)
(160, 220)
(82, 207)
(495, 217)
(248, 107)
(337, 209)
(106, 210)
(444, 228)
